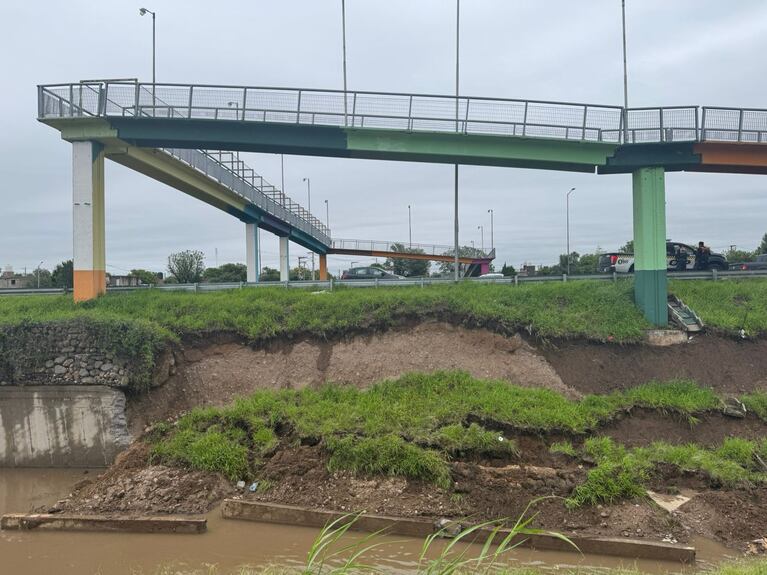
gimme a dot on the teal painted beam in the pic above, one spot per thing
(650, 283)
(377, 144)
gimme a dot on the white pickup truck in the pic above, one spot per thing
(624, 263)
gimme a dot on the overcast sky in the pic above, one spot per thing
(685, 52)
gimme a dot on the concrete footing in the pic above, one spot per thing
(301, 516)
(66, 522)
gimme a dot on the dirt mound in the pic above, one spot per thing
(131, 486)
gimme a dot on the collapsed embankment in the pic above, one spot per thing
(577, 340)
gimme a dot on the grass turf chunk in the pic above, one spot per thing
(387, 455)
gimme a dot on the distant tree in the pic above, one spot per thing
(187, 266)
(63, 275)
(508, 270)
(735, 256)
(627, 248)
(227, 273)
(45, 278)
(464, 252)
(762, 248)
(145, 276)
(269, 275)
(587, 264)
(405, 266)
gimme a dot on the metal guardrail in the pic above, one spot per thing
(405, 247)
(404, 112)
(408, 282)
(223, 166)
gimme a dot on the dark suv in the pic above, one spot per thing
(371, 273)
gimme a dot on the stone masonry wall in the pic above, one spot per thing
(78, 352)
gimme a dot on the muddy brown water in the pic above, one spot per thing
(228, 545)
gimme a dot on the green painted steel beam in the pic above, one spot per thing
(650, 281)
(367, 143)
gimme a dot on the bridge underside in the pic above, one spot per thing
(409, 256)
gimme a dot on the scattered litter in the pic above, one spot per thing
(669, 539)
(733, 407)
(319, 292)
(447, 528)
(240, 485)
(671, 502)
(253, 487)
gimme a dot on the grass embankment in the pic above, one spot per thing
(594, 310)
(414, 425)
(728, 305)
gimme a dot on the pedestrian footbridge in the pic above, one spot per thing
(156, 127)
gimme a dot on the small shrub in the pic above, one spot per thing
(457, 439)
(207, 451)
(563, 447)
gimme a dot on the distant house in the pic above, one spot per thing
(11, 280)
(123, 281)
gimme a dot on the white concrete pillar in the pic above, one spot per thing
(284, 259)
(251, 252)
(88, 220)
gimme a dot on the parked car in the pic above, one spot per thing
(760, 263)
(370, 273)
(624, 263)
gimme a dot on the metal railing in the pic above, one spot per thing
(407, 282)
(405, 112)
(225, 167)
(405, 247)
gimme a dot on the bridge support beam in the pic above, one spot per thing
(251, 252)
(284, 259)
(650, 281)
(323, 267)
(88, 220)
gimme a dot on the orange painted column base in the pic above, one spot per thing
(89, 284)
(323, 267)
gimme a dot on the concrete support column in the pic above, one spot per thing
(88, 220)
(251, 252)
(650, 281)
(284, 259)
(323, 267)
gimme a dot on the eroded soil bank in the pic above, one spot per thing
(216, 370)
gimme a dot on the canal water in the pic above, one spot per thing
(226, 548)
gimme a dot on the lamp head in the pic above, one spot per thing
(142, 11)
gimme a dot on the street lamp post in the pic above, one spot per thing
(409, 226)
(343, 32)
(568, 228)
(143, 12)
(455, 174)
(38, 273)
(482, 236)
(625, 78)
(309, 209)
(327, 215)
(492, 240)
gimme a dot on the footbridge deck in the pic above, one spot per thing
(137, 119)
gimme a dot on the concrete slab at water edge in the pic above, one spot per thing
(61, 426)
(67, 522)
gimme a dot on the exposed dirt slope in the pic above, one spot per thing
(214, 373)
(727, 365)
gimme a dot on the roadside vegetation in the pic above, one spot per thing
(729, 305)
(413, 427)
(593, 310)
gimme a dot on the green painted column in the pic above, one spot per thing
(650, 281)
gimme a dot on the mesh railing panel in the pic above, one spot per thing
(405, 112)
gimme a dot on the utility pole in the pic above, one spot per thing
(482, 236)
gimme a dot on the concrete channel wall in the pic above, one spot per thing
(61, 426)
